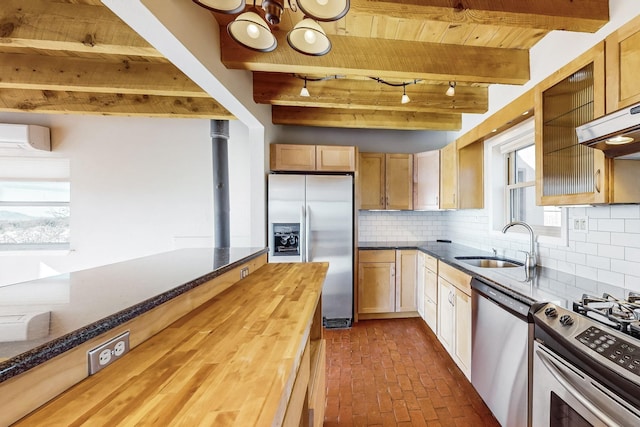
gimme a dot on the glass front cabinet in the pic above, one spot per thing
(566, 172)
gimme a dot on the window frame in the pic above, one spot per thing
(36, 168)
(496, 150)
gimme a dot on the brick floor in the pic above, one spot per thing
(396, 373)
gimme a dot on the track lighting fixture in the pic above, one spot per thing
(304, 91)
(405, 98)
(253, 32)
(451, 90)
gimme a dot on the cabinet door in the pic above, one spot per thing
(399, 181)
(623, 61)
(371, 180)
(335, 158)
(445, 314)
(568, 173)
(426, 180)
(406, 261)
(431, 298)
(448, 177)
(470, 176)
(376, 287)
(420, 277)
(291, 157)
(462, 334)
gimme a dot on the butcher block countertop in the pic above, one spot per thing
(231, 362)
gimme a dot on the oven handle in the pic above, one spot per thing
(566, 383)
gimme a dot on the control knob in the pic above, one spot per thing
(550, 312)
(566, 320)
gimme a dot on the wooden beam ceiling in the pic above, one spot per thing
(581, 16)
(61, 56)
(369, 119)
(366, 94)
(76, 56)
(387, 59)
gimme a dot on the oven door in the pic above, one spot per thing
(565, 396)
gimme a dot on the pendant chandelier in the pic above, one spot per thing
(254, 32)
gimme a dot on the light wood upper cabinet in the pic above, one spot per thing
(399, 181)
(568, 173)
(371, 170)
(335, 158)
(449, 177)
(385, 181)
(292, 157)
(622, 49)
(309, 158)
(471, 176)
(426, 180)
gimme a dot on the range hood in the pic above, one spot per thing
(617, 133)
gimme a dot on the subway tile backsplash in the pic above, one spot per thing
(608, 251)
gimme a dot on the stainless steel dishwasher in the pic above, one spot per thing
(499, 355)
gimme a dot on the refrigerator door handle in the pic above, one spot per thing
(307, 235)
(303, 232)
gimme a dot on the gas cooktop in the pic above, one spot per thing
(620, 314)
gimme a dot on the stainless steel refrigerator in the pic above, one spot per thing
(311, 220)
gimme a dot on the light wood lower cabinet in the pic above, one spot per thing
(376, 281)
(430, 274)
(406, 267)
(454, 315)
(387, 283)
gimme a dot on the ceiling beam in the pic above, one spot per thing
(369, 119)
(387, 59)
(22, 71)
(582, 16)
(284, 89)
(110, 104)
(49, 25)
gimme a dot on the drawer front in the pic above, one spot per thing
(456, 277)
(431, 263)
(384, 255)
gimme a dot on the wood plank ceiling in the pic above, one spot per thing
(75, 56)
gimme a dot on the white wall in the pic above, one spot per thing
(138, 186)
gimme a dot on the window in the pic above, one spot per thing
(512, 180)
(34, 204)
(520, 194)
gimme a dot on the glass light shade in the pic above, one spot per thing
(304, 91)
(309, 38)
(324, 10)
(405, 99)
(251, 31)
(451, 91)
(619, 140)
(222, 6)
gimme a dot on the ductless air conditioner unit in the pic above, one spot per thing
(24, 137)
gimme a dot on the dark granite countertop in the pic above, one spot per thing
(543, 285)
(84, 304)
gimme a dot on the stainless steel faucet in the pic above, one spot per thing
(530, 260)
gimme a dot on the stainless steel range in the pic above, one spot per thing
(586, 363)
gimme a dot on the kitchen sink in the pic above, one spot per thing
(489, 261)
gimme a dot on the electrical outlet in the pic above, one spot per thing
(244, 272)
(581, 224)
(108, 352)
